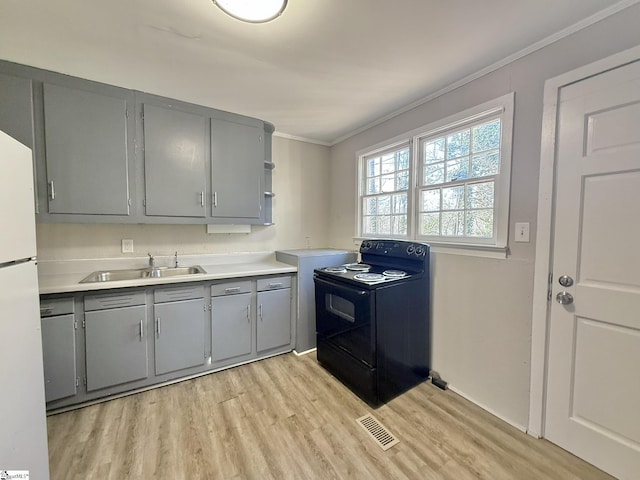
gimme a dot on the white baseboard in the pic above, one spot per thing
(305, 352)
(522, 428)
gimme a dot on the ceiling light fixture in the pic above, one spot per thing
(253, 11)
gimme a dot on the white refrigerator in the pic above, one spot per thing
(23, 427)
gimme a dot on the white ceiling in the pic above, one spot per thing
(321, 71)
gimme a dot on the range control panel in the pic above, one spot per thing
(394, 248)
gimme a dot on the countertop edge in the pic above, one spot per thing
(69, 283)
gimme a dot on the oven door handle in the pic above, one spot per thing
(340, 287)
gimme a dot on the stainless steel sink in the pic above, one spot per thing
(141, 273)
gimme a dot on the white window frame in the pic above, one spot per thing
(362, 190)
(495, 247)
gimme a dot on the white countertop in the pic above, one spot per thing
(65, 276)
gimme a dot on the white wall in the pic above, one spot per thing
(481, 308)
(301, 216)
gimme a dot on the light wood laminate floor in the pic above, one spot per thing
(287, 418)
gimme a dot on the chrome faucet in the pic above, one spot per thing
(176, 264)
(152, 261)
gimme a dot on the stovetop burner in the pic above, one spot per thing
(357, 267)
(394, 273)
(335, 269)
(369, 277)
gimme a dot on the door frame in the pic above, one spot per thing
(545, 234)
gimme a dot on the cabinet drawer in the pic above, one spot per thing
(114, 300)
(50, 307)
(177, 293)
(230, 288)
(274, 283)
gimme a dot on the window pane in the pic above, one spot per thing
(486, 163)
(388, 183)
(431, 200)
(384, 205)
(399, 224)
(458, 169)
(369, 225)
(486, 136)
(434, 151)
(400, 203)
(453, 224)
(458, 144)
(480, 195)
(373, 167)
(430, 224)
(370, 206)
(434, 174)
(403, 159)
(373, 185)
(384, 225)
(389, 163)
(480, 223)
(453, 198)
(403, 181)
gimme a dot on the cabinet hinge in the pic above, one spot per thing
(75, 325)
(84, 380)
(144, 202)
(126, 113)
(84, 324)
(77, 382)
(549, 286)
(129, 201)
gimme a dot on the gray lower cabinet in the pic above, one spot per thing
(115, 339)
(179, 329)
(59, 348)
(175, 162)
(98, 344)
(274, 313)
(86, 156)
(231, 320)
(237, 168)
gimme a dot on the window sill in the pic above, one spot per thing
(487, 251)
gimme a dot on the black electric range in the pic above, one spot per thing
(372, 319)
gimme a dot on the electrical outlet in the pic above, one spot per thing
(522, 232)
(127, 245)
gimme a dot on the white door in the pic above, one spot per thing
(593, 383)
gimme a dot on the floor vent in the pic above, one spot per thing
(377, 431)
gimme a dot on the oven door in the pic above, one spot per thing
(345, 318)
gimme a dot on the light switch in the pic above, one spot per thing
(127, 245)
(522, 232)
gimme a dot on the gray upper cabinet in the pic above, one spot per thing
(237, 167)
(105, 154)
(87, 164)
(16, 107)
(175, 163)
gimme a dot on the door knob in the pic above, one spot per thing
(564, 298)
(565, 281)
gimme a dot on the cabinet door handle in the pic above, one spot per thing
(158, 326)
(215, 199)
(52, 191)
(260, 312)
(202, 199)
(276, 285)
(141, 329)
(231, 289)
(249, 313)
